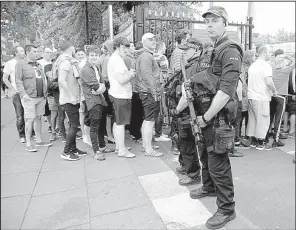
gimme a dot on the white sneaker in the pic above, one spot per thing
(154, 153)
(153, 146)
(86, 141)
(23, 140)
(125, 153)
(128, 148)
(162, 138)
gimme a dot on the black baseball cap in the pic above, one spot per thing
(218, 11)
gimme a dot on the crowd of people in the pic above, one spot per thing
(104, 91)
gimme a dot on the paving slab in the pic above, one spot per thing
(3, 157)
(55, 151)
(58, 181)
(115, 195)
(19, 151)
(13, 210)
(78, 227)
(109, 157)
(147, 165)
(61, 164)
(18, 184)
(143, 217)
(22, 164)
(58, 210)
(7, 143)
(289, 145)
(161, 185)
(181, 211)
(108, 169)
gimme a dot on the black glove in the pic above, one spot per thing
(174, 113)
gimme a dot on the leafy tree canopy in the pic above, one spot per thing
(45, 22)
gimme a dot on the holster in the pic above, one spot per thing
(184, 127)
(223, 141)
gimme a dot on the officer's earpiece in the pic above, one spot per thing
(226, 24)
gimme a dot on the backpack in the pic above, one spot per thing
(56, 64)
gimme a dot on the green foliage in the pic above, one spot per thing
(280, 37)
(45, 22)
(17, 20)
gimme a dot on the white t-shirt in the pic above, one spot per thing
(43, 63)
(80, 66)
(115, 67)
(9, 69)
(257, 88)
(72, 83)
(82, 63)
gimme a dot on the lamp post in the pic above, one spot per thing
(250, 17)
(86, 24)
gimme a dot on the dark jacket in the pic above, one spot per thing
(147, 78)
(89, 82)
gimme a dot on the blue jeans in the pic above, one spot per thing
(61, 120)
(19, 112)
(158, 125)
(73, 115)
(97, 127)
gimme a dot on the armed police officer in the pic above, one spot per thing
(187, 144)
(215, 103)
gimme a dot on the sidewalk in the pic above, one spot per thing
(42, 191)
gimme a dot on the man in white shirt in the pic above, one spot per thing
(120, 93)
(260, 90)
(46, 57)
(9, 71)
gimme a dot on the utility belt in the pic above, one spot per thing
(223, 133)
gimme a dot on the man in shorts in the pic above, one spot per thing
(148, 84)
(9, 71)
(120, 93)
(52, 104)
(32, 86)
(108, 111)
(260, 90)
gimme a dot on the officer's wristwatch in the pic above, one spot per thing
(205, 121)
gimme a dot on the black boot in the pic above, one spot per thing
(218, 220)
(201, 192)
(189, 181)
(277, 143)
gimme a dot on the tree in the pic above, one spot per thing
(45, 22)
(16, 18)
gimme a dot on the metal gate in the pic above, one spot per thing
(165, 28)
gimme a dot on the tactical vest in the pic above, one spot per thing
(206, 82)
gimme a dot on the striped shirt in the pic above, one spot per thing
(177, 55)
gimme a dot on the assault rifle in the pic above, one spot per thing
(194, 123)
